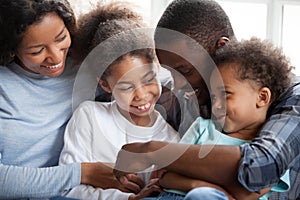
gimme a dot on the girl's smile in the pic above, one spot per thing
(135, 88)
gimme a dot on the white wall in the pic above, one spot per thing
(276, 20)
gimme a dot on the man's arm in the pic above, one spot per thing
(215, 164)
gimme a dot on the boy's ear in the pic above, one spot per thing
(222, 41)
(264, 97)
(104, 85)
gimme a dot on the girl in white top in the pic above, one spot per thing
(97, 130)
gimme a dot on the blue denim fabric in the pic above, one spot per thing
(62, 198)
(166, 196)
(204, 193)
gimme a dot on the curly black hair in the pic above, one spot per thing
(101, 23)
(113, 20)
(106, 35)
(17, 15)
(257, 60)
(203, 20)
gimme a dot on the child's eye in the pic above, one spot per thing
(223, 93)
(151, 79)
(124, 89)
(226, 92)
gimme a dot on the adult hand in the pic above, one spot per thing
(100, 175)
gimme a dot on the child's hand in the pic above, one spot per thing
(147, 190)
(157, 173)
(133, 183)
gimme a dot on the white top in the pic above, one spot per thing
(96, 132)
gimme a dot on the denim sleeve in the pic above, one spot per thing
(277, 148)
(25, 182)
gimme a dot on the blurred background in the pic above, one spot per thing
(277, 20)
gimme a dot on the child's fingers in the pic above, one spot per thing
(154, 185)
(132, 186)
(135, 179)
(150, 189)
(154, 188)
(153, 181)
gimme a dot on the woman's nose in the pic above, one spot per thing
(55, 55)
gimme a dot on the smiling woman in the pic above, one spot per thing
(44, 47)
(36, 85)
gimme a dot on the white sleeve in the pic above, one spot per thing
(77, 138)
(77, 148)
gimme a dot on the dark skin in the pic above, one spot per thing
(191, 67)
(186, 69)
(93, 172)
(225, 159)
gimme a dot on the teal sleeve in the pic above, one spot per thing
(202, 131)
(192, 134)
(282, 186)
(284, 183)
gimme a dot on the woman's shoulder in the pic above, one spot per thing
(5, 69)
(10, 73)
